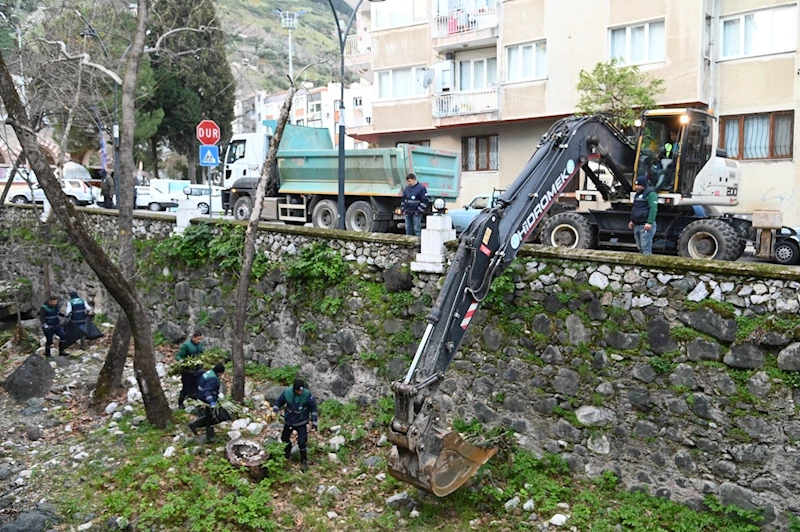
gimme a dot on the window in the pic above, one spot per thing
(235, 151)
(395, 13)
(643, 43)
(401, 83)
(357, 102)
(769, 31)
(300, 122)
(758, 136)
(479, 154)
(423, 143)
(477, 74)
(526, 61)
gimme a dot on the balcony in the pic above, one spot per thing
(356, 118)
(469, 26)
(460, 104)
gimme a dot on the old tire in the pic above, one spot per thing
(359, 217)
(20, 200)
(242, 208)
(709, 239)
(787, 252)
(569, 230)
(202, 207)
(155, 207)
(325, 215)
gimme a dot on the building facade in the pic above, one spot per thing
(489, 77)
(312, 107)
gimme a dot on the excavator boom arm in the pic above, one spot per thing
(424, 453)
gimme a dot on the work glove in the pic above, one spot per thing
(314, 427)
(213, 404)
(45, 326)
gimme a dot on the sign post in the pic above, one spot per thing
(208, 133)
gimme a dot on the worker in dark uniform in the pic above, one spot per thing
(208, 392)
(300, 406)
(78, 311)
(643, 215)
(189, 377)
(50, 317)
(667, 157)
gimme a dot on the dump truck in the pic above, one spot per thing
(303, 186)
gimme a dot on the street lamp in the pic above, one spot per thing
(289, 22)
(343, 33)
(91, 32)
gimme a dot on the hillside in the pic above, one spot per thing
(258, 48)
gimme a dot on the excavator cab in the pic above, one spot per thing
(674, 151)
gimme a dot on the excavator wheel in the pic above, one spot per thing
(569, 230)
(709, 239)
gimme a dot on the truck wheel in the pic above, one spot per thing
(242, 208)
(325, 215)
(787, 252)
(359, 217)
(154, 207)
(19, 200)
(203, 208)
(569, 230)
(709, 239)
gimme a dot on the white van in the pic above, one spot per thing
(161, 194)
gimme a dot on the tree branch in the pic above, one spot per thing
(84, 58)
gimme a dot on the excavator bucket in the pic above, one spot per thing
(442, 472)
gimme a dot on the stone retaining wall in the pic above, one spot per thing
(680, 375)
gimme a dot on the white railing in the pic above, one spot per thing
(358, 45)
(465, 103)
(471, 16)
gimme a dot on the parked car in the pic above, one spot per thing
(464, 216)
(198, 198)
(77, 192)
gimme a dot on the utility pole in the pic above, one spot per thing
(289, 22)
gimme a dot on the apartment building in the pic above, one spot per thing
(312, 107)
(489, 77)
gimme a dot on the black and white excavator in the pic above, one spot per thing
(425, 452)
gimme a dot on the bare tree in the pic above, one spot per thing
(125, 294)
(242, 287)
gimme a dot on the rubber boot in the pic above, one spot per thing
(210, 434)
(181, 398)
(287, 451)
(62, 352)
(193, 426)
(47, 352)
(304, 460)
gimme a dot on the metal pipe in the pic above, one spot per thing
(421, 347)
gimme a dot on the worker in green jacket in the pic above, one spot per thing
(643, 215)
(190, 349)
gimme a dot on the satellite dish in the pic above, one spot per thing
(427, 79)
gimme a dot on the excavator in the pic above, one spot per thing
(425, 453)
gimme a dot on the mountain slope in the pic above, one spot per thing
(258, 47)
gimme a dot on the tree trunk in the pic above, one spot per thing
(125, 294)
(191, 166)
(46, 231)
(154, 147)
(109, 381)
(242, 287)
(10, 179)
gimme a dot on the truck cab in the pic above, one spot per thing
(244, 156)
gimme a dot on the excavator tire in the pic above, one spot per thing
(569, 230)
(709, 239)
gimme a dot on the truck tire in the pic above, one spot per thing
(359, 217)
(202, 207)
(242, 208)
(325, 215)
(709, 239)
(569, 230)
(787, 252)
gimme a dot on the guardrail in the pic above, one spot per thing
(358, 45)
